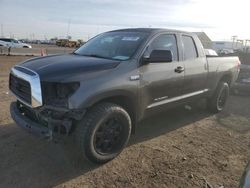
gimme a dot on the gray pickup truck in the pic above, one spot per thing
(100, 92)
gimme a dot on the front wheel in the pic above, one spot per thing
(217, 102)
(103, 132)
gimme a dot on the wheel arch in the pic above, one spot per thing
(126, 100)
(228, 78)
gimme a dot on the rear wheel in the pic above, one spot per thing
(103, 132)
(218, 101)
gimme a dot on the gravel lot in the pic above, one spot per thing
(178, 148)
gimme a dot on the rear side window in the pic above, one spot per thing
(189, 47)
(165, 42)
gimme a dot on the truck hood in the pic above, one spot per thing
(63, 66)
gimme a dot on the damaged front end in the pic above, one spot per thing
(47, 121)
(51, 116)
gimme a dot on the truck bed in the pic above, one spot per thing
(218, 66)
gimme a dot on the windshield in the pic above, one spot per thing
(113, 45)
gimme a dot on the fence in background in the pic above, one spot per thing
(36, 51)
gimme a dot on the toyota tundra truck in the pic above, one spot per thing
(100, 92)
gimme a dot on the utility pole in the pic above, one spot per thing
(247, 46)
(240, 42)
(67, 35)
(2, 35)
(68, 28)
(234, 38)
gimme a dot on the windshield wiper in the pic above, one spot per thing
(95, 55)
(98, 56)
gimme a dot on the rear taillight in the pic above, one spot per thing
(238, 65)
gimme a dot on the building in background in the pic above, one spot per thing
(205, 40)
(227, 45)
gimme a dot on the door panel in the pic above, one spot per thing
(159, 82)
(195, 75)
(195, 66)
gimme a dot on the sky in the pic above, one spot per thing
(83, 19)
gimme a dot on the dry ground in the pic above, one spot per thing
(178, 148)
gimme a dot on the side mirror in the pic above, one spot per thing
(158, 56)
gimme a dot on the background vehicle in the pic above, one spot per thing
(226, 51)
(13, 43)
(67, 43)
(242, 84)
(99, 93)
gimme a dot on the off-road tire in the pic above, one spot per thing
(86, 129)
(213, 103)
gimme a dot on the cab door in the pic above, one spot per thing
(196, 69)
(161, 82)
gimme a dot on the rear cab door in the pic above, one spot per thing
(196, 68)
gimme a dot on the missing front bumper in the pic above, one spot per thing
(46, 121)
(28, 124)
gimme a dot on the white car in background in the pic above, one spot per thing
(13, 43)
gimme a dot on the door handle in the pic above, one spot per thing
(179, 69)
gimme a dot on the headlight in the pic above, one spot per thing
(57, 94)
(66, 89)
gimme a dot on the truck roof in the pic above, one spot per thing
(151, 30)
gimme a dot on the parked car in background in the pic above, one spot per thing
(210, 53)
(226, 51)
(242, 84)
(13, 43)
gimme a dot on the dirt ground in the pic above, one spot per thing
(178, 148)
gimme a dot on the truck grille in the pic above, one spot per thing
(21, 88)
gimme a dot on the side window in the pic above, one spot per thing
(189, 48)
(165, 42)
